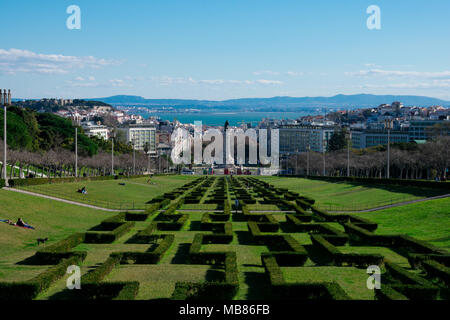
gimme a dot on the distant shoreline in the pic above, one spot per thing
(219, 118)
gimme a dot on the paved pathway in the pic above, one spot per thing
(399, 204)
(67, 201)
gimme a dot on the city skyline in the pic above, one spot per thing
(219, 51)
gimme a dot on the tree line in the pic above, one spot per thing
(407, 161)
(43, 144)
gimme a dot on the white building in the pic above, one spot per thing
(93, 129)
(140, 135)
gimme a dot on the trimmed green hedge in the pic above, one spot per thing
(108, 291)
(405, 276)
(217, 290)
(99, 273)
(129, 291)
(108, 236)
(334, 256)
(363, 223)
(411, 285)
(54, 253)
(142, 216)
(419, 246)
(226, 207)
(150, 257)
(436, 270)
(280, 290)
(323, 245)
(39, 181)
(170, 222)
(213, 291)
(386, 292)
(418, 292)
(174, 206)
(28, 290)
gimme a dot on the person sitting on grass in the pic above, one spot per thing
(82, 190)
(20, 223)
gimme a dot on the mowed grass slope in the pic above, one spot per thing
(350, 196)
(110, 194)
(429, 221)
(52, 219)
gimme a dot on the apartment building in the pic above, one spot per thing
(297, 138)
(140, 135)
(370, 138)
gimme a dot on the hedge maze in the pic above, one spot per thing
(247, 254)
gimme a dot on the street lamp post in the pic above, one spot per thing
(6, 102)
(76, 152)
(388, 124)
(324, 150)
(112, 156)
(307, 160)
(112, 152)
(348, 152)
(134, 158)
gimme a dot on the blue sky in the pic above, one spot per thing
(219, 50)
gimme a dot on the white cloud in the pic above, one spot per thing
(269, 72)
(413, 85)
(276, 73)
(118, 83)
(83, 82)
(371, 65)
(165, 81)
(294, 73)
(394, 73)
(14, 61)
(263, 81)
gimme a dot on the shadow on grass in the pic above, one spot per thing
(316, 255)
(258, 286)
(245, 238)
(215, 274)
(238, 217)
(287, 227)
(65, 294)
(31, 261)
(195, 226)
(182, 254)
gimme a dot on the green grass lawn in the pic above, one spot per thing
(429, 221)
(158, 281)
(352, 280)
(349, 196)
(110, 194)
(389, 254)
(52, 219)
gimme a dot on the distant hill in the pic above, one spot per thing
(286, 103)
(52, 105)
